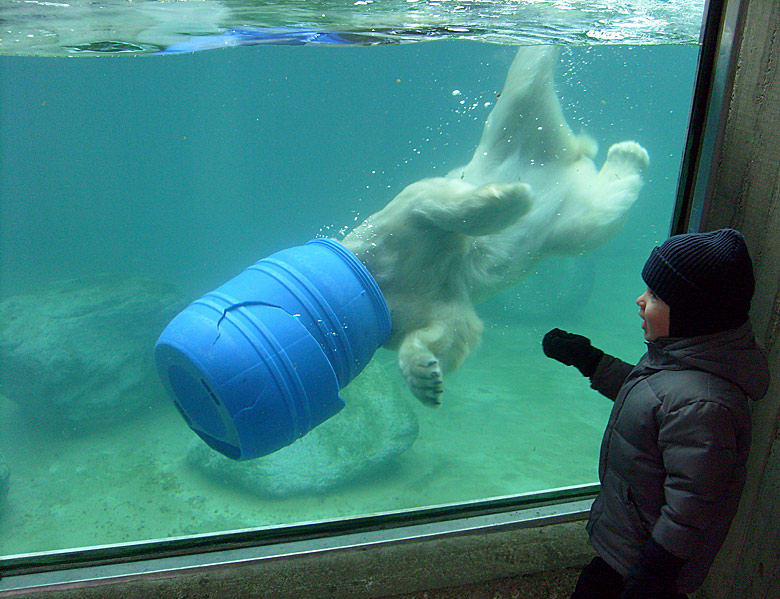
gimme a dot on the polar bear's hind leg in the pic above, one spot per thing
(624, 159)
(600, 204)
(618, 183)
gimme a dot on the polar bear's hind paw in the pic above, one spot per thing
(628, 156)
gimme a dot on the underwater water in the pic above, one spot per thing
(132, 185)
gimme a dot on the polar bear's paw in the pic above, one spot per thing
(423, 375)
(627, 157)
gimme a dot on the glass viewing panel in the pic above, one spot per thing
(135, 179)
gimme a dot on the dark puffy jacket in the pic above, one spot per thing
(673, 456)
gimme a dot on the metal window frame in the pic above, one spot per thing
(720, 38)
(58, 569)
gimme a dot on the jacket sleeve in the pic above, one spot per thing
(609, 376)
(704, 473)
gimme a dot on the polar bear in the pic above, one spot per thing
(446, 243)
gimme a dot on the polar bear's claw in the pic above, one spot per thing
(424, 378)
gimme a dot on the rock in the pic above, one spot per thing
(376, 425)
(78, 353)
(5, 474)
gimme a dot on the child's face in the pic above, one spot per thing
(654, 313)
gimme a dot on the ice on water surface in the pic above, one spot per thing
(49, 27)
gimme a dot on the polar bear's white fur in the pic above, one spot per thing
(446, 243)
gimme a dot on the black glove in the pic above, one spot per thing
(572, 350)
(654, 575)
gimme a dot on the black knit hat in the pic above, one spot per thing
(705, 278)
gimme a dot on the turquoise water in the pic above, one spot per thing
(185, 169)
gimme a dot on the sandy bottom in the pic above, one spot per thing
(512, 422)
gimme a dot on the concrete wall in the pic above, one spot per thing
(744, 193)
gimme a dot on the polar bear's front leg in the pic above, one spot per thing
(426, 354)
(458, 207)
(420, 367)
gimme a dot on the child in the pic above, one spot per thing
(672, 464)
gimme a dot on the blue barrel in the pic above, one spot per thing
(258, 362)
